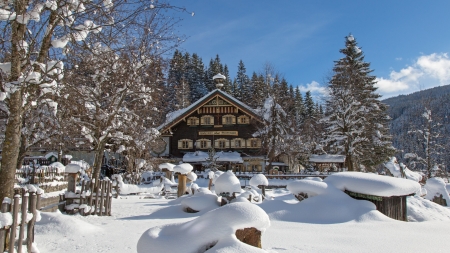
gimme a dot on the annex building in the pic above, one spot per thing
(217, 121)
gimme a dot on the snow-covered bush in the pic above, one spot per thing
(258, 179)
(227, 183)
(400, 170)
(436, 187)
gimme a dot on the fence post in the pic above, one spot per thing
(102, 185)
(15, 214)
(24, 211)
(107, 199)
(6, 206)
(96, 197)
(91, 188)
(30, 227)
(110, 197)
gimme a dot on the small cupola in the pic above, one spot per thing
(218, 80)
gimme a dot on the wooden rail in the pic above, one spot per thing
(87, 201)
(24, 203)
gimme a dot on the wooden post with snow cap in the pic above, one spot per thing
(167, 168)
(259, 181)
(210, 176)
(183, 169)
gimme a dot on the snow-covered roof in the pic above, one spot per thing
(183, 168)
(72, 168)
(327, 158)
(372, 184)
(176, 116)
(200, 156)
(277, 164)
(47, 156)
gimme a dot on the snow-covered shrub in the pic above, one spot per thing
(258, 179)
(401, 171)
(436, 187)
(214, 231)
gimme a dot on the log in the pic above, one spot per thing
(250, 236)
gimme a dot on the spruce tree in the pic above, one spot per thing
(259, 91)
(243, 83)
(356, 120)
(309, 106)
(196, 82)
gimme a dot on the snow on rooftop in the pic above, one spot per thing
(372, 184)
(47, 156)
(227, 182)
(327, 158)
(167, 166)
(216, 227)
(200, 156)
(174, 115)
(183, 168)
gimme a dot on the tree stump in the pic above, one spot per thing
(181, 185)
(301, 196)
(250, 236)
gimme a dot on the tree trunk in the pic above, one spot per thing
(98, 163)
(349, 163)
(11, 146)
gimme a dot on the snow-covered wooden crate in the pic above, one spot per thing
(389, 194)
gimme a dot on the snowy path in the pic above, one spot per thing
(133, 215)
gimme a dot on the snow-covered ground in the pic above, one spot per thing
(324, 223)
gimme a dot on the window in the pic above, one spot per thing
(228, 120)
(185, 144)
(207, 120)
(192, 121)
(243, 119)
(238, 143)
(222, 144)
(203, 143)
(253, 143)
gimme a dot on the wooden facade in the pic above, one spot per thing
(217, 120)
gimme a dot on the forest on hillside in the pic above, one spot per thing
(420, 127)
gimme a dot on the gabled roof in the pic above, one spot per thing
(176, 116)
(327, 158)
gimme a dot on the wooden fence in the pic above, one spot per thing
(24, 203)
(41, 175)
(87, 202)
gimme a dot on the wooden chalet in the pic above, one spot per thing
(327, 162)
(217, 121)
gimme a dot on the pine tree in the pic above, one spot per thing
(355, 118)
(309, 106)
(299, 108)
(259, 91)
(243, 83)
(196, 83)
(227, 82)
(177, 83)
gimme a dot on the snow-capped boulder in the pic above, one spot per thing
(227, 182)
(258, 179)
(215, 230)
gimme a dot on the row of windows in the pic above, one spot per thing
(226, 120)
(220, 143)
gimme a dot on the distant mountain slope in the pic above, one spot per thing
(406, 112)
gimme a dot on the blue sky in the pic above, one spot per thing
(406, 42)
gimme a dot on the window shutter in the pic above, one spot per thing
(232, 142)
(216, 144)
(202, 120)
(227, 143)
(258, 143)
(234, 120)
(180, 144)
(190, 144)
(249, 143)
(208, 144)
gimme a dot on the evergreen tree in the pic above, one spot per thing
(243, 83)
(227, 82)
(196, 82)
(177, 83)
(259, 91)
(356, 121)
(299, 108)
(309, 106)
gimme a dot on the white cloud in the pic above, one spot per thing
(314, 87)
(426, 72)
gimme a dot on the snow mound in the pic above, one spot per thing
(217, 174)
(258, 179)
(227, 182)
(331, 207)
(207, 230)
(201, 201)
(167, 166)
(420, 209)
(435, 187)
(183, 168)
(192, 176)
(64, 225)
(312, 188)
(372, 184)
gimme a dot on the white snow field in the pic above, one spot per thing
(327, 222)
